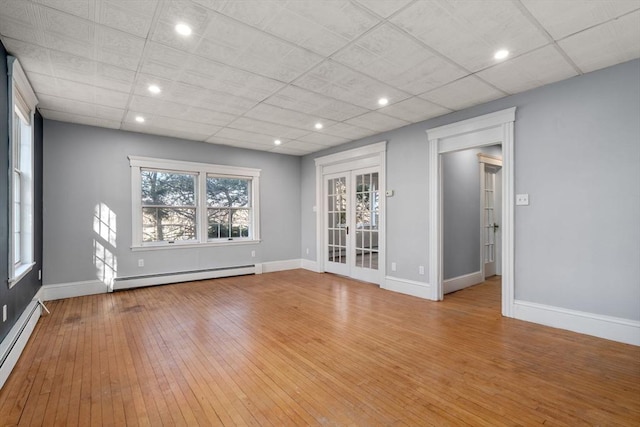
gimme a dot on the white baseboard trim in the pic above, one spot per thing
(408, 287)
(608, 327)
(14, 343)
(310, 265)
(73, 289)
(272, 266)
(163, 279)
(461, 282)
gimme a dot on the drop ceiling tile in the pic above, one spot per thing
(77, 47)
(537, 68)
(323, 139)
(165, 34)
(562, 18)
(377, 122)
(292, 61)
(80, 108)
(392, 56)
(463, 93)
(337, 81)
(298, 99)
(291, 150)
(339, 16)
(133, 17)
(12, 28)
(305, 33)
(295, 119)
(163, 131)
(182, 126)
(273, 129)
(32, 57)
(115, 78)
(187, 12)
(165, 54)
(242, 135)
(238, 144)
(303, 146)
(384, 8)
(160, 69)
(414, 110)
(67, 25)
(469, 32)
(81, 8)
(23, 12)
(604, 45)
(47, 85)
(75, 118)
(118, 41)
(347, 131)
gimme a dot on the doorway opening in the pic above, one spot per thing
(490, 129)
(471, 206)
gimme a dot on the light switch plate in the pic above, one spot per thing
(522, 200)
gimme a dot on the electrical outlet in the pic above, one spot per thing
(253, 254)
(141, 262)
(421, 270)
(522, 200)
(4, 313)
(393, 266)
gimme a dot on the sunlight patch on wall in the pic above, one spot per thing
(105, 261)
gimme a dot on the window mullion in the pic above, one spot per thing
(201, 207)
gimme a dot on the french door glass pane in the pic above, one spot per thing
(337, 220)
(367, 217)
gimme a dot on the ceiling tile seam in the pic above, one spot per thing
(532, 19)
(154, 23)
(81, 115)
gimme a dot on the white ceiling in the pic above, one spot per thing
(256, 70)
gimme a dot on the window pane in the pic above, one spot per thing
(218, 224)
(168, 224)
(227, 192)
(161, 188)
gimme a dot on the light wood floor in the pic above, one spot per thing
(299, 348)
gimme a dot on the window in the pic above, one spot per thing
(21, 166)
(183, 203)
(229, 207)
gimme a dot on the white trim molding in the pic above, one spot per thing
(74, 289)
(461, 282)
(490, 129)
(273, 266)
(407, 287)
(310, 265)
(179, 277)
(16, 340)
(607, 327)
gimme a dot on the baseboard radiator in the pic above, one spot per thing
(14, 343)
(129, 282)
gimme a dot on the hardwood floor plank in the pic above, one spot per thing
(299, 348)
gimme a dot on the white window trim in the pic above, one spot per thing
(21, 95)
(202, 169)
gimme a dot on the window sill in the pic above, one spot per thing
(19, 273)
(157, 247)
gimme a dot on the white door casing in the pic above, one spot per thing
(489, 129)
(364, 246)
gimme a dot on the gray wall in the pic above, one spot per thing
(86, 166)
(577, 155)
(19, 296)
(461, 210)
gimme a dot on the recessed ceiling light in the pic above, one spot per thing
(139, 119)
(277, 142)
(183, 29)
(383, 101)
(318, 125)
(501, 54)
(154, 89)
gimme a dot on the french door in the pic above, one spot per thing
(352, 223)
(490, 228)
